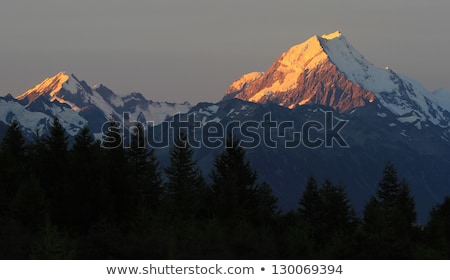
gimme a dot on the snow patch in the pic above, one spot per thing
(116, 101)
(201, 111)
(408, 119)
(442, 98)
(60, 100)
(216, 119)
(71, 86)
(157, 112)
(213, 109)
(231, 112)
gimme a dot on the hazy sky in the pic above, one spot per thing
(179, 50)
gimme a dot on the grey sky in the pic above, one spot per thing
(179, 50)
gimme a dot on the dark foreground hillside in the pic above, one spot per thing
(92, 201)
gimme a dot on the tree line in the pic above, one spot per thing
(88, 200)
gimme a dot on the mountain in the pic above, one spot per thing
(328, 70)
(77, 104)
(332, 114)
(390, 117)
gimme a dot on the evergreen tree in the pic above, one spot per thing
(336, 232)
(13, 143)
(146, 175)
(57, 143)
(87, 187)
(389, 218)
(310, 204)
(54, 172)
(438, 228)
(121, 208)
(405, 215)
(330, 218)
(85, 145)
(236, 196)
(264, 204)
(12, 163)
(337, 212)
(394, 199)
(184, 179)
(36, 153)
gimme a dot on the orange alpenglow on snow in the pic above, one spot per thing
(51, 87)
(304, 74)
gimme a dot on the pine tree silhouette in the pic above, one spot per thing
(145, 168)
(54, 173)
(236, 196)
(86, 186)
(389, 217)
(12, 167)
(184, 179)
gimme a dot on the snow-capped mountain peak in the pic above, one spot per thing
(76, 104)
(49, 85)
(328, 70)
(55, 88)
(355, 66)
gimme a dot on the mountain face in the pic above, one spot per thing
(327, 70)
(374, 136)
(77, 104)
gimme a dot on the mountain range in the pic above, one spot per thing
(77, 104)
(388, 117)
